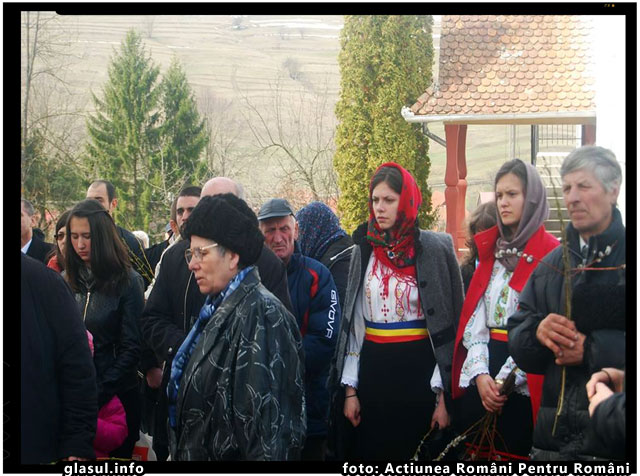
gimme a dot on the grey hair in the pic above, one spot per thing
(598, 160)
(222, 251)
(28, 206)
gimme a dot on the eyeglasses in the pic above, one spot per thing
(197, 253)
(59, 236)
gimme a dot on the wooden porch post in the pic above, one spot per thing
(588, 134)
(455, 180)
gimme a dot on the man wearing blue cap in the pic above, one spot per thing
(317, 310)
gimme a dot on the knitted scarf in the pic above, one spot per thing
(186, 349)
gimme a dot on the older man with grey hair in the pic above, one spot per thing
(31, 244)
(568, 346)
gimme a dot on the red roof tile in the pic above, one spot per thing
(512, 64)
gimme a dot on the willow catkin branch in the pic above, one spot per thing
(417, 452)
(509, 382)
(567, 290)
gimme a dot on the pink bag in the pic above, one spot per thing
(112, 428)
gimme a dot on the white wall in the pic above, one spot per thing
(609, 54)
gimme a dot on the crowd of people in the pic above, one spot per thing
(279, 336)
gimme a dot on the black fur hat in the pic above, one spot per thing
(227, 220)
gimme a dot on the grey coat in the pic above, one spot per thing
(441, 297)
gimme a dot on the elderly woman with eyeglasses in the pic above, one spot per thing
(236, 390)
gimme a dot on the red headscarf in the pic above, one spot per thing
(395, 247)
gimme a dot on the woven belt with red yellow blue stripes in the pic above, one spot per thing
(499, 334)
(391, 332)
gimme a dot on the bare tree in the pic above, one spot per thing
(295, 133)
(45, 49)
(237, 22)
(52, 121)
(148, 24)
(223, 155)
(292, 67)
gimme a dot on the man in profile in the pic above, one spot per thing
(32, 244)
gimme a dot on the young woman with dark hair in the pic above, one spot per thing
(56, 257)
(507, 253)
(482, 218)
(110, 296)
(394, 350)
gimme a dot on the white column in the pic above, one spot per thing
(609, 54)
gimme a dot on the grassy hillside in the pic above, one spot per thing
(216, 54)
(228, 57)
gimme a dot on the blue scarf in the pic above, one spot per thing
(186, 349)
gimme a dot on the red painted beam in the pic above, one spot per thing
(588, 134)
(455, 180)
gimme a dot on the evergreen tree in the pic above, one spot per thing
(385, 63)
(123, 132)
(183, 134)
(50, 183)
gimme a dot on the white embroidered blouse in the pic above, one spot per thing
(373, 305)
(493, 310)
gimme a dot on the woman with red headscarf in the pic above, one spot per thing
(394, 350)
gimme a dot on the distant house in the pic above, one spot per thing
(507, 69)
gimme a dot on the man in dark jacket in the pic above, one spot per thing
(181, 207)
(59, 409)
(32, 244)
(150, 368)
(175, 303)
(543, 340)
(317, 309)
(105, 193)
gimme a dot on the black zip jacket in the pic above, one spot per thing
(113, 322)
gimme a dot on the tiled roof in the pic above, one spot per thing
(512, 64)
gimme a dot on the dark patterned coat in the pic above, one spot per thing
(242, 392)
